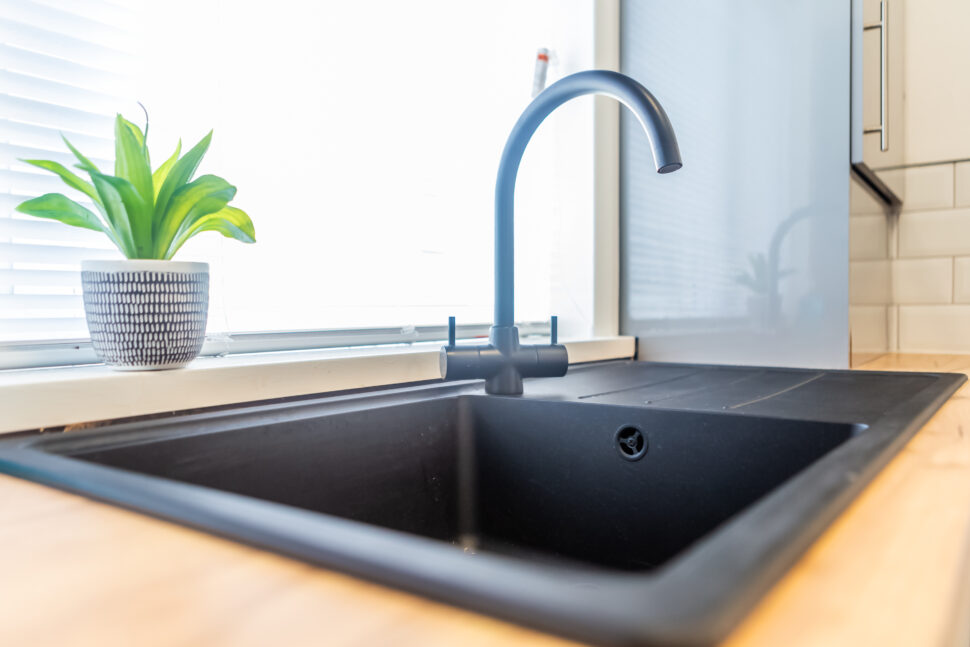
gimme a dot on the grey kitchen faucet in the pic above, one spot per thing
(503, 362)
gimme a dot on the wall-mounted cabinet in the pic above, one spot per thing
(883, 83)
(878, 106)
(937, 85)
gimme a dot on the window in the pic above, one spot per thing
(364, 139)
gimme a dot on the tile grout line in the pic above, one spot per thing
(954, 170)
(895, 316)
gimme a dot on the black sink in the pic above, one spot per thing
(627, 503)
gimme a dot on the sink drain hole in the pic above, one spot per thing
(631, 442)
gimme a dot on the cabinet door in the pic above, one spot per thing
(883, 83)
(938, 84)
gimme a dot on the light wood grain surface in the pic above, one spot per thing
(893, 570)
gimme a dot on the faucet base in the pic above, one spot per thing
(506, 382)
(503, 362)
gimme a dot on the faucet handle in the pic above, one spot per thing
(451, 331)
(554, 330)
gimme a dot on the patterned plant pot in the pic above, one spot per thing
(146, 315)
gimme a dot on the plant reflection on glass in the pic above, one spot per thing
(758, 277)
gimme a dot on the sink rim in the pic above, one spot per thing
(753, 548)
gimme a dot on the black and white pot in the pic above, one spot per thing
(146, 315)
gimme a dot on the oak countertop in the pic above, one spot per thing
(893, 570)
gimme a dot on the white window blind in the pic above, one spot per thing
(65, 69)
(364, 139)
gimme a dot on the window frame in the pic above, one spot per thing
(606, 274)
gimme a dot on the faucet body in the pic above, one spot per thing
(504, 362)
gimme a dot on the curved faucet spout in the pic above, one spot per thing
(503, 362)
(633, 95)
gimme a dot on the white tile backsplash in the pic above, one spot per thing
(868, 237)
(962, 180)
(922, 280)
(934, 329)
(867, 329)
(924, 187)
(870, 282)
(961, 280)
(909, 278)
(934, 233)
(860, 202)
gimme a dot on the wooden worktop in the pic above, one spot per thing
(893, 570)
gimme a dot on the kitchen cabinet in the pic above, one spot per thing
(937, 85)
(883, 82)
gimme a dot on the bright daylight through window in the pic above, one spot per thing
(363, 137)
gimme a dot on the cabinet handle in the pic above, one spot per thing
(883, 27)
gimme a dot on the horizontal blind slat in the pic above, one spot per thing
(39, 278)
(36, 64)
(55, 116)
(65, 46)
(30, 184)
(12, 154)
(48, 137)
(28, 302)
(39, 327)
(57, 93)
(36, 229)
(106, 12)
(52, 254)
(58, 20)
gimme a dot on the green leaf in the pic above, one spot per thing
(116, 213)
(158, 177)
(86, 164)
(180, 174)
(135, 130)
(138, 213)
(206, 195)
(228, 221)
(131, 160)
(59, 207)
(69, 177)
(139, 136)
(147, 215)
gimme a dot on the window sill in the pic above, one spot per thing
(53, 397)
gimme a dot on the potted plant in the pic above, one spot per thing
(145, 312)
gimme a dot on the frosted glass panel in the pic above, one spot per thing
(742, 256)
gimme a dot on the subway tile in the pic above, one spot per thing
(961, 280)
(868, 329)
(924, 187)
(934, 329)
(870, 283)
(922, 280)
(868, 237)
(895, 179)
(861, 202)
(934, 233)
(892, 317)
(962, 173)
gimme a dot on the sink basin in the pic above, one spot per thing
(626, 503)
